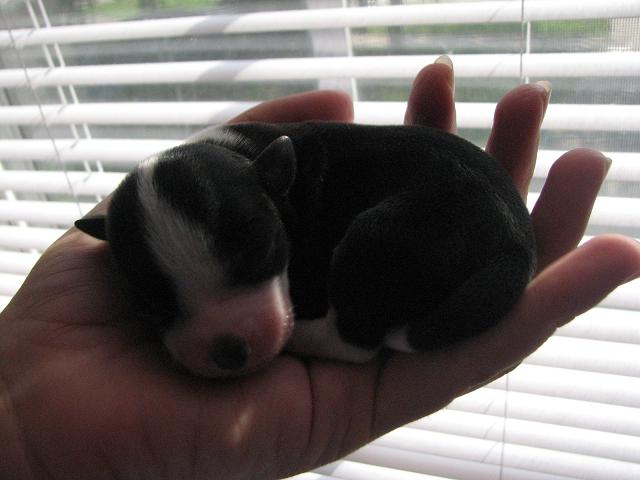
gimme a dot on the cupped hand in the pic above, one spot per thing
(83, 398)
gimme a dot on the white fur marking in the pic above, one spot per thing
(224, 137)
(320, 338)
(181, 249)
(398, 341)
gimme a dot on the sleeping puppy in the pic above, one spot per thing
(400, 237)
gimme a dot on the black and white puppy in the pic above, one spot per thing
(402, 237)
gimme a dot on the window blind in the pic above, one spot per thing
(88, 92)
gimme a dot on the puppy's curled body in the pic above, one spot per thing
(371, 236)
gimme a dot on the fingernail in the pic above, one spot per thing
(546, 86)
(446, 60)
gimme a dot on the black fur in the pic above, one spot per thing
(392, 226)
(401, 225)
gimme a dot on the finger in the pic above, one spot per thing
(581, 279)
(411, 386)
(431, 100)
(561, 214)
(327, 105)
(567, 288)
(516, 131)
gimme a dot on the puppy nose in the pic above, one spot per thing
(229, 352)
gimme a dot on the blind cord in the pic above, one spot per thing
(525, 47)
(41, 111)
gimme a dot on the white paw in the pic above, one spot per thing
(320, 338)
(397, 340)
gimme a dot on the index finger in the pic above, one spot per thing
(431, 100)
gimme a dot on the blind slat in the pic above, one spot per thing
(471, 114)
(347, 470)
(4, 301)
(575, 384)
(519, 456)
(25, 238)
(449, 467)
(17, 262)
(287, 69)
(45, 212)
(625, 297)
(311, 19)
(588, 355)
(541, 408)
(10, 283)
(83, 183)
(612, 446)
(117, 151)
(480, 115)
(606, 325)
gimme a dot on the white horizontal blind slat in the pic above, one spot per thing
(471, 114)
(4, 301)
(288, 69)
(531, 459)
(612, 446)
(605, 324)
(547, 409)
(45, 212)
(348, 470)
(17, 262)
(83, 183)
(9, 283)
(121, 113)
(314, 476)
(126, 152)
(454, 13)
(576, 384)
(449, 467)
(24, 238)
(626, 297)
(588, 355)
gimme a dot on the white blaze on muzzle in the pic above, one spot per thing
(235, 332)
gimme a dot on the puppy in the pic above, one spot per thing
(402, 237)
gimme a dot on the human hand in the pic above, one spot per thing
(81, 398)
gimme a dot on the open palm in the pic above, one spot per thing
(83, 396)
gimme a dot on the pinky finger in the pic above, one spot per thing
(569, 287)
(581, 279)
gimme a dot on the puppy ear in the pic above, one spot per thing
(94, 226)
(276, 166)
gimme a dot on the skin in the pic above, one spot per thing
(80, 397)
